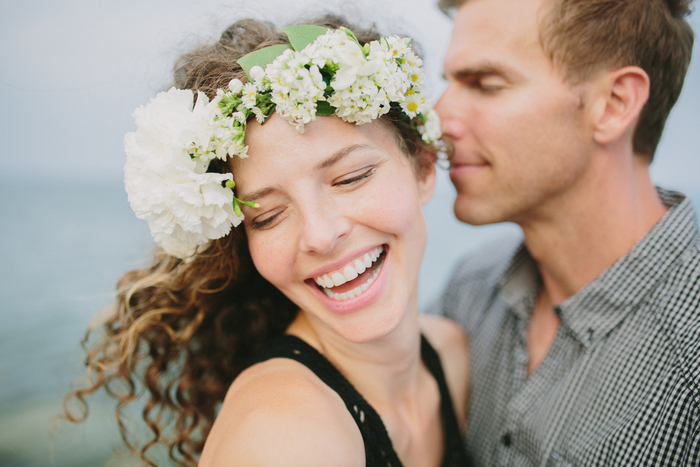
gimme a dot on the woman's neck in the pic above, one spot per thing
(386, 370)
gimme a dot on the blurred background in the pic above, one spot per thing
(72, 73)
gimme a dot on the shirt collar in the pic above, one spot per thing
(597, 308)
(520, 282)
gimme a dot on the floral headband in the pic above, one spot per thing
(322, 72)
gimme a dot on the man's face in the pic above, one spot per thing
(520, 134)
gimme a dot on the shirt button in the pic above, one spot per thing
(507, 440)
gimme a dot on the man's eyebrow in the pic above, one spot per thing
(330, 161)
(480, 69)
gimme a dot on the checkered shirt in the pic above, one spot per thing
(620, 385)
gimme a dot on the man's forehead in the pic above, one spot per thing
(494, 31)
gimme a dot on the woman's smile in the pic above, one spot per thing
(346, 234)
(352, 279)
(358, 292)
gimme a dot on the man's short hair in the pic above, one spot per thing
(586, 36)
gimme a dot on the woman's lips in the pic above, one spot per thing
(350, 271)
(358, 292)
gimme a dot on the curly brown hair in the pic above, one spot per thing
(181, 331)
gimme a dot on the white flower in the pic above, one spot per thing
(185, 208)
(398, 46)
(235, 85)
(430, 131)
(338, 47)
(412, 66)
(259, 115)
(168, 156)
(413, 104)
(249, 97)
(257, 73)
(295, 89)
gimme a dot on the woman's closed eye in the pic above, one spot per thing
(272, 217)
(355, 177)
(268, 219)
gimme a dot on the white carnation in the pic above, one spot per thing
(185, 208)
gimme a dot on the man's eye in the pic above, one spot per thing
(349, 181)
(491, 83)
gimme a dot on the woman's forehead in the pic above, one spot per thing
(278, 139)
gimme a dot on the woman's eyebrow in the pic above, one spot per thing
(333, 159)
(338, 155)
(258, 194)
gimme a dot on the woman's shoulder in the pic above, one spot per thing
(452, 345)
(278, 412)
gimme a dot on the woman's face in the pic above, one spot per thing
(340, 206)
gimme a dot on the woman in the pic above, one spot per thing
(305, 317)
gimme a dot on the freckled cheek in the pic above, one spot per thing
(393, 210)
(272, 259)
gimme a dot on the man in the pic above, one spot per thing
(585, 338)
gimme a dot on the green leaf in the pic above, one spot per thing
(261, 58)
(324, 108)
(303, 35)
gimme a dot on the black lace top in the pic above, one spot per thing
(378, 449)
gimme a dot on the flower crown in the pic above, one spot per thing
(322, 72)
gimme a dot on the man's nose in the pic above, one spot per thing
(452, 114)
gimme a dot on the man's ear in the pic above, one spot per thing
(621, 96)
(426, 183)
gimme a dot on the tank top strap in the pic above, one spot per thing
(378, 449)
(455, 451)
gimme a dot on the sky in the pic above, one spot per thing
(73, 71)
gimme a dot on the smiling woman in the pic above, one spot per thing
(340, 194)
(294, 338)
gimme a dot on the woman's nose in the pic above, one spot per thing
(324, 227)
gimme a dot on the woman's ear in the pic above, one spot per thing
(426, 180)
(621, 96)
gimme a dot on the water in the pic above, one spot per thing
(62, 250)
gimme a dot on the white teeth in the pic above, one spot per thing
(357, 291)
(350, 273)
(338, 278)
(326, 281)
